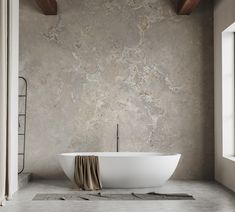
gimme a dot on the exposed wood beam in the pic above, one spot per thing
(185, 7)
(48, 7)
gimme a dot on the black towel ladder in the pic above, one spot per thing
(23, 114)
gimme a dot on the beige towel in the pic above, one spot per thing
(87, 172)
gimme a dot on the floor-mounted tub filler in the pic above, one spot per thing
(127, 169)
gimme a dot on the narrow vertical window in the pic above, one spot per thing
(228, 109)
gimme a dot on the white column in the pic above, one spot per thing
(3, 99)
(13, 49)
(9, 23)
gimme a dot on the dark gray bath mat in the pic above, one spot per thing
(112, 197)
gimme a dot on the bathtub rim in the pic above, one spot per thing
(121, 154)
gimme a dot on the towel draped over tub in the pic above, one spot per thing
(87, 172)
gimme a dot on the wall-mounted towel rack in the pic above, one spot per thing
(22, 133)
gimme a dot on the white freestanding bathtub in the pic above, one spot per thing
(127, 169)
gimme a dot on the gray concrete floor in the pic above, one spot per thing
(209, 196)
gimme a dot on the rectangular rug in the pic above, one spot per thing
(113, 197)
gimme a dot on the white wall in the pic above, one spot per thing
(224, 16)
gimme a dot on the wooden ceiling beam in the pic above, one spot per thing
(48, 7)
(185, 7)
